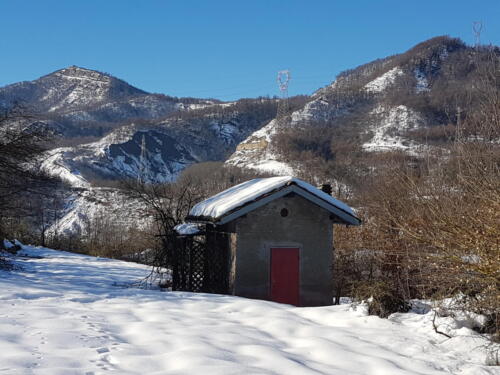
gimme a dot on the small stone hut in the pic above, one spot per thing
(274, 237)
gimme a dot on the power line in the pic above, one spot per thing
(223, 89)
(245, 89)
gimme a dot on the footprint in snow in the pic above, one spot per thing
(37, 354)
(103, 366)
(108, 358)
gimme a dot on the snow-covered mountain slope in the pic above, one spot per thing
(69, 89)
(58, 163)
(165, 158)
(389, 126)
(382, 82)
(85, 105)
(81, 102)
(103, 124)
(385, 105)
(170, 146)
(384, 101)
(256, 153)
(85, 207)
(64, 313)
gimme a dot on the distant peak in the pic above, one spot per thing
(74, 67)
(441, 43)
(76, 73)
(74, 70)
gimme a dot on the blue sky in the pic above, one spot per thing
(225, 49)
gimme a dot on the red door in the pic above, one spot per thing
(285, 275)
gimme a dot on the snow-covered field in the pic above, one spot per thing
(65, 314)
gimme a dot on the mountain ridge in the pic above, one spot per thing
(382, 105)
(402, 103)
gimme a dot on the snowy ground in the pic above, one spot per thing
(69, 314)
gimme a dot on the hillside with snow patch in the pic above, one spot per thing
(256, 153)
(84, 208)
(381, 105)
(107, 130)
(389, 127)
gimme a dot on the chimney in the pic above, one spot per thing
(326, 188)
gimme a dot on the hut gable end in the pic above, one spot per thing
(237, 201)
(305, 227)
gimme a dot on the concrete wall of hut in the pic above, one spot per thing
(307, 227)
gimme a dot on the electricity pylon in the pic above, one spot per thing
(142, 161)
(283, 79)
(477, 27)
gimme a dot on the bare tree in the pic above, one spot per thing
(168, 204)
(22, 141)
(435, 223)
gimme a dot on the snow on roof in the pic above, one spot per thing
(188, 229)
(237, 196)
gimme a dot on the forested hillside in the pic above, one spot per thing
(413, 103)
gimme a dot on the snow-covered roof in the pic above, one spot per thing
(225, 206)
(188, 229)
